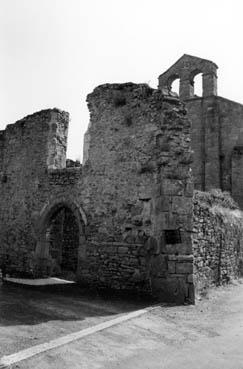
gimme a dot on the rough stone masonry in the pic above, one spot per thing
(126, 214)
(217, 126)
(126, 219)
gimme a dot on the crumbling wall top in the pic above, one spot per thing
(38, 117)
(115, 92)
(38, 141)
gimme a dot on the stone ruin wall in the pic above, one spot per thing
(132, 197)
(28, 148)
(138, 155)
(217, 144)
(217, 239)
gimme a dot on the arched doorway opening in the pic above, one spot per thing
(62, 235)
(61, 244)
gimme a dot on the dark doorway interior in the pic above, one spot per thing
(63, 238)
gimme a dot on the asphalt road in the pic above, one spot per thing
(30, 316)
(207, 335)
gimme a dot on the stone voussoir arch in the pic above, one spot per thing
(45, 215)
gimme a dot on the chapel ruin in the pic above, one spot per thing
(128, 218)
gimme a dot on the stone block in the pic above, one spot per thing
(172, 257)
(156, 190)
(190, 278)
(173, 249)
(191, 294)
(145, 193)
(184, 268)
(172, 187)
(161, 244)
(158, 265)
(184, 258)
(179, 249)
(171, 267)
(111, 249)
(189, 189)
(170, 289)
(129, 238)
(162, 203)
(182, 205)
(185, 221)
(166, 220)
(122, 250)
(151, 246)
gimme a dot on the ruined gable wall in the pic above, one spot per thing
(137, 186)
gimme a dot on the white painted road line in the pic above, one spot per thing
(38, 349)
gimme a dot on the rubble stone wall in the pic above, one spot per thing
(138, 187)
(217, 239)
(28, 149)
(132, 199)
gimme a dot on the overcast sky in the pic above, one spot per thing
(54, 52)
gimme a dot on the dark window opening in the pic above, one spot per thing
(172, 236)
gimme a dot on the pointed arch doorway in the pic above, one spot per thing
(61, 244)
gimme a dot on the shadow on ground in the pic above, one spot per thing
(30, 306)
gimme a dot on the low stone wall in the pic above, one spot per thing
(116, 265)
(137, 268)
(217, 239)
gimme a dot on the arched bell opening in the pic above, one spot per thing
(173, 84)
(196, 81)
